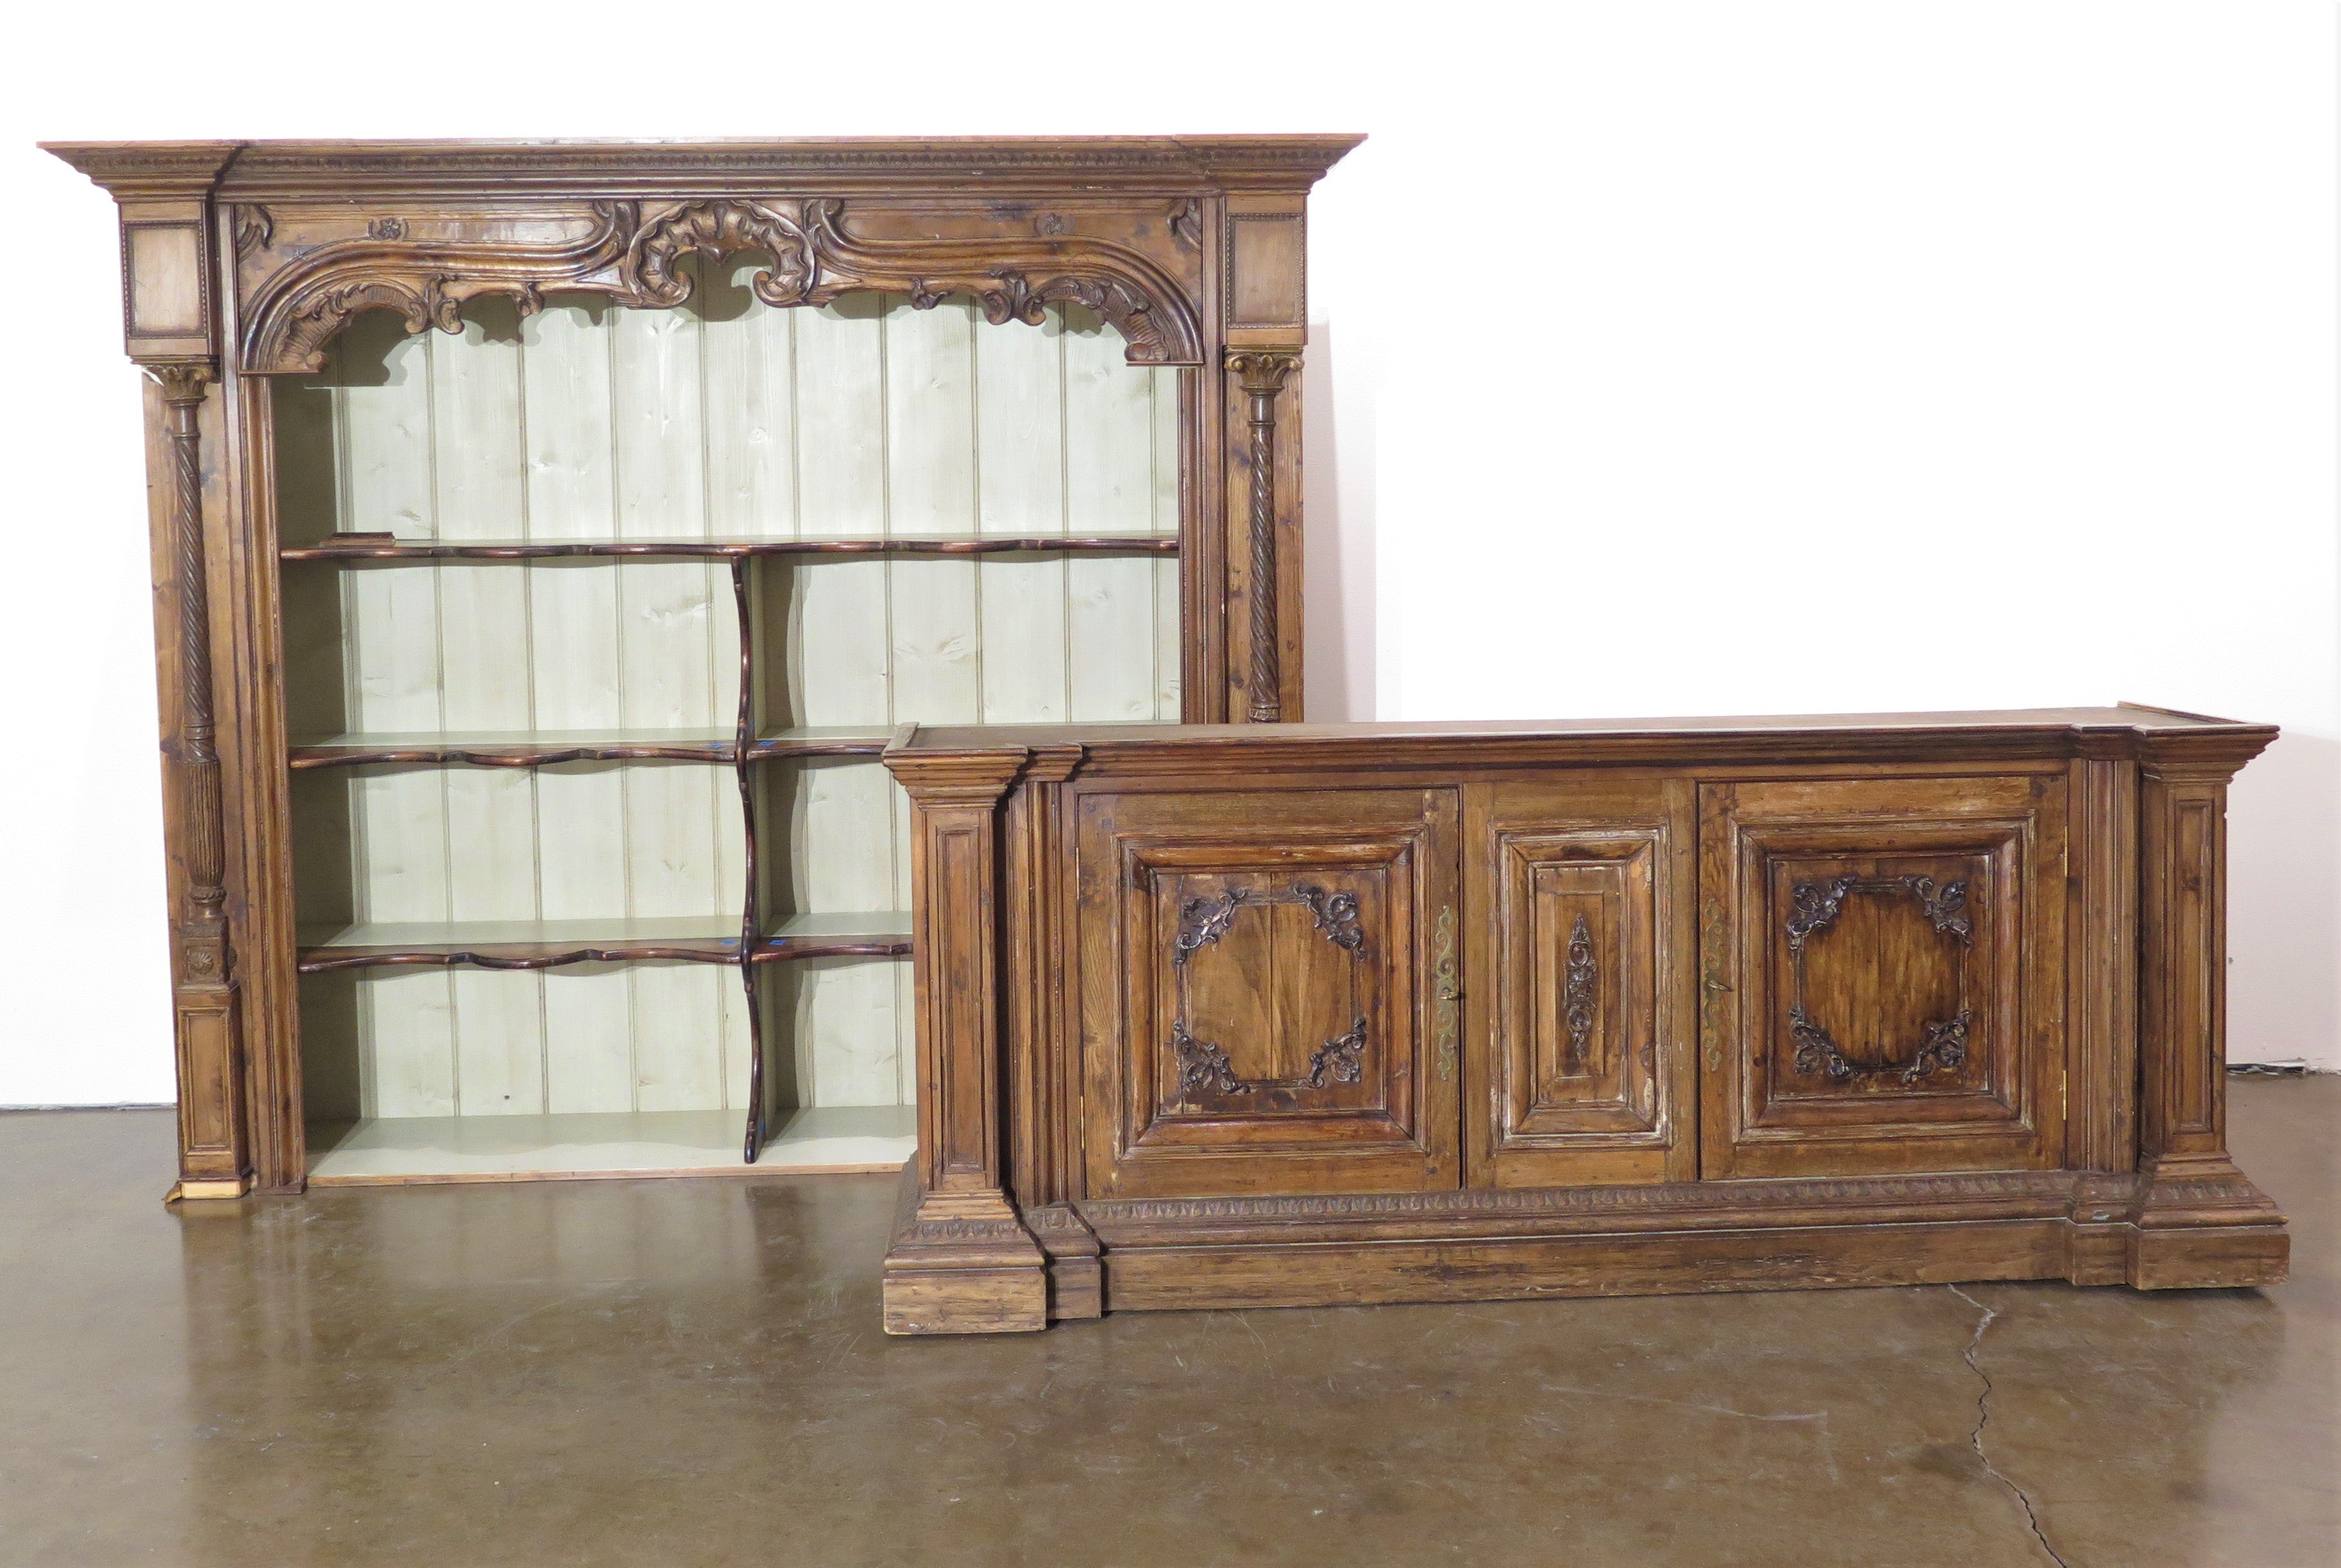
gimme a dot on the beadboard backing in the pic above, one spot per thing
(722, 419)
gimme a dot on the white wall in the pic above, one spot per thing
(1846, 356)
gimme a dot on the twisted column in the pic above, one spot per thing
(1263, 373)
(204, 955)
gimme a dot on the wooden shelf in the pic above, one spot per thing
(536, 748)
(399, 1150)
(883, 933)
(548, 943)
(361, 548)
(821, 741)
(520, 944)
(517, 748)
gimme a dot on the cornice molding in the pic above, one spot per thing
(2202, 754)
(956, 778)
(139, 169)
(285, 169)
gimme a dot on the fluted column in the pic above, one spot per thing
(959, 1261)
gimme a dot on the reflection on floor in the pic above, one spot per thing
(646, 1143)
(656, 1372)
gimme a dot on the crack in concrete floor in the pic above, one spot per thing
(1983, 1419)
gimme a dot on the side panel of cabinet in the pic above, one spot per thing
(1882, 975)
(1260, 984)
(1581, 893)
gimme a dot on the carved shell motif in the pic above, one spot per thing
(716, 230)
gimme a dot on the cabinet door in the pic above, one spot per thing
(1882, 975)
(1580, 893)
(1262, 976)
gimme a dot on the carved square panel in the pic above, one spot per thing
(1270, 1021)
(1883, 974)
(1886, 966)
(1272, 1000)
(165, 288)
(1267, 257)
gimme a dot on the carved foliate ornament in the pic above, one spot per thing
(1202, 1065)
(1580, 994)
(1814, 906)
(255, 230)
(632, 251)
(1446, 994)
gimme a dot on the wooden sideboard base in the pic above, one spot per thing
(2200, 1222)
(1516, 1243)
(957, 1266)
(961, 1263)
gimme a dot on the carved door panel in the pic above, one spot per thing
(1882, 975)
(1262, 985)
(1581, 893)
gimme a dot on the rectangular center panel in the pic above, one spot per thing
(1581, 890)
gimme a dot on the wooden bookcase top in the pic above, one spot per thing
(261, 169)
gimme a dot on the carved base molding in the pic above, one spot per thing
(961, 1263)
(1076, 1276)
(2196, 1220)
(2147, 1230)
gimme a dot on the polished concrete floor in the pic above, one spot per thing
(691, 1372)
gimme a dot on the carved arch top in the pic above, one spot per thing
(632, 254)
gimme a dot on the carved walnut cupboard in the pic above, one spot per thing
(547, 537)
(672, 653)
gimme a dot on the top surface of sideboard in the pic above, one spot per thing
(2121, 730)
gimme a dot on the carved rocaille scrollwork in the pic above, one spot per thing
(716, 230)
(1204, 1067)
(1580, 994)
(633, 251)
(1814, 906)
(255, 228)
(1944, 1047)
(1201, 1065)
(1336, 914)
(202, 949)
(1338, 1059)
(1202, 921)
(1263, 373)
(1946, 907)
(1186, 223)
(1205, 920)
